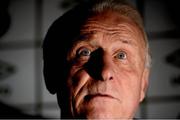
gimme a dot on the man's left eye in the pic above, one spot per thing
(121, 55)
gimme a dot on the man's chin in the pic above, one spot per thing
(103, 108)
(106, 116)
(100, 115)
(102, 112)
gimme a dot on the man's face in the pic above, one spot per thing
(107, 77)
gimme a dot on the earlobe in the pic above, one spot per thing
(144, 84)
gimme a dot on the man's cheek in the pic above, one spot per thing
(78, 80)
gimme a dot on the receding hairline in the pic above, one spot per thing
(123, 7)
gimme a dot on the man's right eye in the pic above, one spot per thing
(83, 52)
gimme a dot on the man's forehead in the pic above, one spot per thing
(110, 17)
(125, 31)
(98, 37)
(109, 21)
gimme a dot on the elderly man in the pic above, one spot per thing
(96, 60)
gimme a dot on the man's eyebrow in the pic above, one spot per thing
(125, 40)
(82, 38)
(85, 35)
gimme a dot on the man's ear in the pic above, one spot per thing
(144, 83)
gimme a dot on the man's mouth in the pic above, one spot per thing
(91, 96)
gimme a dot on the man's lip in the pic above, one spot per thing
(91, 96)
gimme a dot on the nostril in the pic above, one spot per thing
(111, 78)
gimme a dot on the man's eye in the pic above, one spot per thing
(121, 55)
(84, 52)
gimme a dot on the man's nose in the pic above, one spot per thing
(107, 72)
(100, 66)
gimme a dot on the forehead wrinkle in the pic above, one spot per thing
(109, 28)
(93, 41)
(125, 33)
